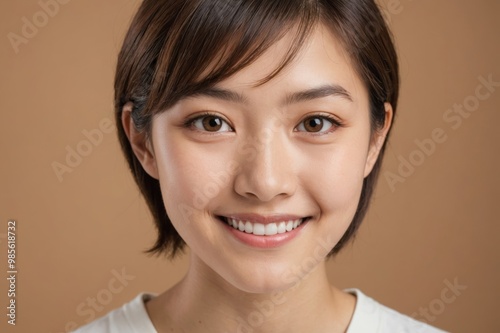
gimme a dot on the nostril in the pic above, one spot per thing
(265, 179)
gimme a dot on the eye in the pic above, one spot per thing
(316, 124)
(210, 123)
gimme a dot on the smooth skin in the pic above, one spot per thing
(299, 144)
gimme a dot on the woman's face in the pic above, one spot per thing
(267, 157)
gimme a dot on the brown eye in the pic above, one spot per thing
(315, 125)
(211, 123)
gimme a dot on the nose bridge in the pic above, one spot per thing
(267, 172)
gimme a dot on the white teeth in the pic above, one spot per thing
(282, 228)
(271, 229)
(248, 227)
(260, 229)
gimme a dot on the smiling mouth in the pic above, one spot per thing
(260, 229)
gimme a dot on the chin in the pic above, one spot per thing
(266, 279)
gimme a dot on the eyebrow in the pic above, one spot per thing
(223, 94)
(300, 96)
(319, 92)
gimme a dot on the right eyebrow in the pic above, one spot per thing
(222, 94)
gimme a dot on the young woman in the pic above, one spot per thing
(256, 130)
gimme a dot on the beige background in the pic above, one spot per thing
(74, 235)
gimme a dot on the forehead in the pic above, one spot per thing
(320, 61)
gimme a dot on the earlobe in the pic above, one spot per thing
(378, 140)
(141, 146)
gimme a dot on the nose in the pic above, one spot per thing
(268, 172)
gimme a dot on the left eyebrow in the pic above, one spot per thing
(319, 92)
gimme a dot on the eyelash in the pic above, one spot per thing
(335, 123)
(189, 123)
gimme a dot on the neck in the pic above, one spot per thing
(204, 302)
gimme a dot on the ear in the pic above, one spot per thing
(378, 140)
(141, 146)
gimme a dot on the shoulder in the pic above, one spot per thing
(131, 317)
(371, 316)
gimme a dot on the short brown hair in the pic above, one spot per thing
(171, 43)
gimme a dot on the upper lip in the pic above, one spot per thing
(257, 218)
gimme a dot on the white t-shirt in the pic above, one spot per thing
(369, 317)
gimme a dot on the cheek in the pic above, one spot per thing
(191, 174)
(336, 177)
(189, 179)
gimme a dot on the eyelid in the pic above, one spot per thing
(336, 123)
(188, 123)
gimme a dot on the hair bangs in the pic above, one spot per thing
(219, 39)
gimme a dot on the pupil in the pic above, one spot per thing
(314, 124)
(212, 124)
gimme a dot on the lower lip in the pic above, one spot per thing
(264, 242)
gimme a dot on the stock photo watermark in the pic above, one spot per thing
(295, 276)
(92, 305)
(249, 150)
(437, 306)
(453, 118)
(392, 8)
(76, 154)
(12, 270)
(388, 10)
(30, 26)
